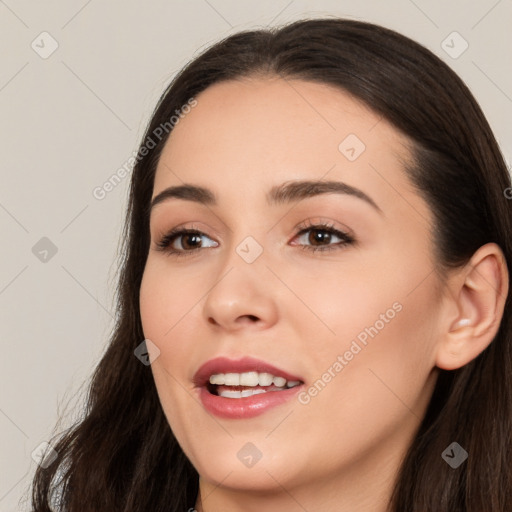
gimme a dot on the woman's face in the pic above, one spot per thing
(354, 321)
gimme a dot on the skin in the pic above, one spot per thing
(300, 310)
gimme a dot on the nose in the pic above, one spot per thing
(243, 296)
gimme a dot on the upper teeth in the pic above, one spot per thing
(251, 379)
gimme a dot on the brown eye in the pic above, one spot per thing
(320, 237)
(189, 240)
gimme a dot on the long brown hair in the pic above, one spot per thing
(122, 455)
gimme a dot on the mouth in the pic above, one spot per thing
(242, 385)
(243, 388)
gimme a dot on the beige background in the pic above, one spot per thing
(70, 120)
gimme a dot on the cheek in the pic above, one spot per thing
(334, 304)
(387, 358)
(380, 319)
(163, 311)
(165, 299)
(380, 387)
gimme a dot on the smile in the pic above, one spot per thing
(241, 385)
(252, 390)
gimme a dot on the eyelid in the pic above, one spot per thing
(326, 221)
(178, 230)
(308, 223)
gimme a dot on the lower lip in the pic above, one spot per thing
(246, 407)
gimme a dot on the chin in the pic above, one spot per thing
(259, 480)
(240, 469)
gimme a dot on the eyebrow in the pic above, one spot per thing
(287, 192)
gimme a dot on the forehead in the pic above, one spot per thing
(259, 132)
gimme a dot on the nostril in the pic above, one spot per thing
(246, 319)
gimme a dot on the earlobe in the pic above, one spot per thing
(478, 296)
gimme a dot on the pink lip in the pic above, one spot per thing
(247, 407)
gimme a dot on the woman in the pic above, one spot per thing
(314, 306)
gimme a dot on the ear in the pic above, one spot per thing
(478, 295)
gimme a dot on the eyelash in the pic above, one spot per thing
(164, 243)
